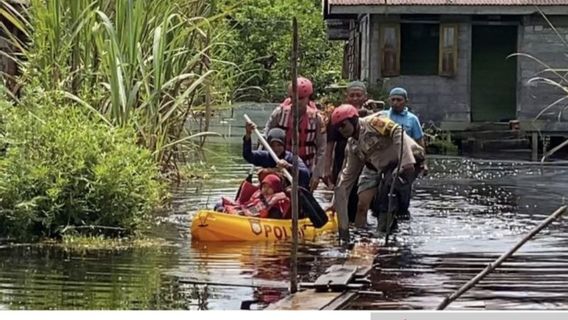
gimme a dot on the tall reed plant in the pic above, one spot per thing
(140, 63)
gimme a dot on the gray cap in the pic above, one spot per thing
(400, 92)
(357, 85)
(276, 134)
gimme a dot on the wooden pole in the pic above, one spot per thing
(295, 175)
(492, 266)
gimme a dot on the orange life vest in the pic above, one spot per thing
(308, 127)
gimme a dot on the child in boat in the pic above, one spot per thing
(267, 201)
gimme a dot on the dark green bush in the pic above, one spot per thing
(63, 168)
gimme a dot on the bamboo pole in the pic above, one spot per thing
(553, 151)
(492, 266)
(295, 174)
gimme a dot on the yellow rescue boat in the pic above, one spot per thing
(217, 226)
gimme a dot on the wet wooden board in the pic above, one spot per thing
(350, 286)
(340, 302)
(362, 255)
(257, 283)
(310, 300)
(335, 278)
(362, 272)
(305, 300)
(358, 265)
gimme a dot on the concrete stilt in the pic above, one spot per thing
(534, 146)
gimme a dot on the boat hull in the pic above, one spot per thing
(217, 226)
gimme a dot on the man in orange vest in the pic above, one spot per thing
(312, 140)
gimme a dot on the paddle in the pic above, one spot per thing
(309, 204)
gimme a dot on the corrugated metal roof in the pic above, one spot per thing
(449, 2)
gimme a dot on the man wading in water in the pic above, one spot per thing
(373, 143)
(355, 95)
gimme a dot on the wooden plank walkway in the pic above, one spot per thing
(337, 278)
(305, 300)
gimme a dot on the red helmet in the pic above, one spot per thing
(273, 181)
(342, 113)
(305, 88)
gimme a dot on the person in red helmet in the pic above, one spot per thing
(312, 140)
(355, 95)
(373, 142)
(268, 201)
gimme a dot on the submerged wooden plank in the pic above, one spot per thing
(305, 300)
(335, 278)
(362, 272)
(358, 265)
(350, 286)
(341, 301)
(256, 283)
(311, 300)
(362, 255)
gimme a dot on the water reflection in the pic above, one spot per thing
(36, 277)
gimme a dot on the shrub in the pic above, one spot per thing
(63, 168)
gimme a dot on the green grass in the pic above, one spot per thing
(93, 243)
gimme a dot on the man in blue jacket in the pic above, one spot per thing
(400, 114)
(276, 137)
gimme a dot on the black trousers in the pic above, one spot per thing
(402, 194)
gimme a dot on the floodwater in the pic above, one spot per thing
(464, 215)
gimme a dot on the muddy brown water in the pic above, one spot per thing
(464, 215)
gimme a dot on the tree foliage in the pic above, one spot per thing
(259, 40)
